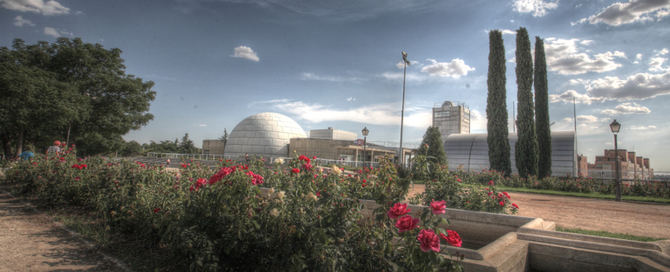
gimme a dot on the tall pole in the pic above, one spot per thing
(616, 169)
(365, 144)
(402, 111)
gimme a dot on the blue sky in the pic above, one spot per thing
(336, 63)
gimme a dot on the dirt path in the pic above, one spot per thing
(651, 220)
(31, 241)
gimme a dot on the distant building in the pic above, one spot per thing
(470, 152)
(631, 167)
(451, 119)
(332, 134)
(264, 134)
(212, 147)
(582, 166)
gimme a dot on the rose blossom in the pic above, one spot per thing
(515, 206)
(295, 170)
(438, 206)
(406, 223)
(397, 210)
(429, 241)
(452, 238)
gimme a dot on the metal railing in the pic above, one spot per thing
(216, 157)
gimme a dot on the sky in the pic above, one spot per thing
(338, 63)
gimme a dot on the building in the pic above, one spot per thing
(265, 134)
(470, 152)
(582, 166)
(332, 134)
(451, 119)
(212, 147)
(631, 166)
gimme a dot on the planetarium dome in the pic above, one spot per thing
(265, 134)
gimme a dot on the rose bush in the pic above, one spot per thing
(221, 218)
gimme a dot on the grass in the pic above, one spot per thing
(609, 234)
(586, 195)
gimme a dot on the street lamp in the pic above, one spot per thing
(365, 132)
(615, 127)
(402, 111)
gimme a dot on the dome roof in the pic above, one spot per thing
(265, 134)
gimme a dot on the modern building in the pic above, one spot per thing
(451, 119)
(212, 146)
(631, 167)
(332, 134)
(470, 152)
(265, 134)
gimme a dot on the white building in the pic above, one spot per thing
(451, 119)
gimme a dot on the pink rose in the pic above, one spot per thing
(452, 238)
(515, 206)
(397, 210)
(429, 241)
(406, 223)
(438, 206)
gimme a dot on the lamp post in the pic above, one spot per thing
(615, 127)
(402, 111)
(365, 132)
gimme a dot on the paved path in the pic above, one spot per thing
(31, 241)
(651, 220)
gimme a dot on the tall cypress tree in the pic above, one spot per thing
(526, 146)
(432, 146)
(496, 106)
(542, 111)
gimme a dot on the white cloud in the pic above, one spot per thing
(635, 87)
(649, 127)
(569, 95)
(50, 7)
(627, 108)
(56, 33)
(51, 32)
(503, 31)
(539, 8)
(586, 125)
(566, 57)
(478, 122)
(202, 125)
(351, 99)
(453, 69)
(245, 52)
(19, 21)
(376, 114)
(629, 12)
(656, 63)
(398, 76)
(638, 58)
(313, 76)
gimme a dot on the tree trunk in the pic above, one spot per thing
(6, 146)
(19, 144)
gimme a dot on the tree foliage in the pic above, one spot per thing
(542, 125)
(496, 106)
(50, 88)
(432, 146)
(526, 146)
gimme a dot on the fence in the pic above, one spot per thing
(216, 157)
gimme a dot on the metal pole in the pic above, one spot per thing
(616, 168)
(365, 143)
(402, 114)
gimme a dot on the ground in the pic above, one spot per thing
(641, 219)
(31, 241)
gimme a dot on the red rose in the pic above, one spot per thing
(156, 210)
(406, 223)
(256, 179)
(515, 206)
(398, 209)
(502, 203)
(295, 170)
(429, 241)
(304, 158)
(459, 180)
(307, 166)
(438, 206)
(452, 238)
(507, 195)
(491, 183)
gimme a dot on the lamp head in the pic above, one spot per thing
(615, 126)
(365, 131)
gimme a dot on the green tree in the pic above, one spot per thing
(432, 146)
(496, 106)
(88, 94)
(131, 148)
(186, 146)
(224, 139)
(526, 145)
(542, 125)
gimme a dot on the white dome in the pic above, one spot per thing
(265, 134)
